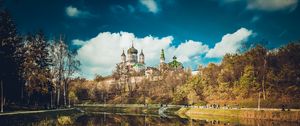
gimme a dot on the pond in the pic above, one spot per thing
(122, 119)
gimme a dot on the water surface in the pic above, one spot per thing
(122, 119)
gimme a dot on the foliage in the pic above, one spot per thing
(274, 73)
(30, 65)
(64, 120)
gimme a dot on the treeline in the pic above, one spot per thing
(34, 71)
(270, 75)
(146, 91)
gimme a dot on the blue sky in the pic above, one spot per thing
(213, 27)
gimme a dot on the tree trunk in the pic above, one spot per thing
(263, 86)
(69, 102)
(1, 95)
(65, 99)
(51, 99)
(28, 98)
(263, 81)
(258, 106)
(58, 95)
(22, 94)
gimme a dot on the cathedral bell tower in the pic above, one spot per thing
(162, 60)
(123, 57)
(142, 58)
(162, 56)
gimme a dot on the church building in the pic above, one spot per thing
(134, 64)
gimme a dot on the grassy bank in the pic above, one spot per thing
(40, 117)
(250, 114)
(252, 103)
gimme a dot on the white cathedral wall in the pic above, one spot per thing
(132, 58)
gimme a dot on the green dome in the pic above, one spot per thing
(175, 63)
(138, 65)
(132, 50)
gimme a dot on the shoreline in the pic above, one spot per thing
(193, 112)
(35, 111)
(263, 114)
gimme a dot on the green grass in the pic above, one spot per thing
(37, 118)
(253, 114)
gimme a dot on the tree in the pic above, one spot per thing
(72, 97)
(9, 74)
(283, 70)
(58, 54)
(64, 66)
(191, 92)
(257, 57)
(72, 66)
(247, 81)
(36, 64)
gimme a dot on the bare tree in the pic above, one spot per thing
(65, 65)
(72, 66)
(58, 54)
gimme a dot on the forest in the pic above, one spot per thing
(35, 71)
(272, 75)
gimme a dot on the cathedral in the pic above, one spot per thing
(132, 69)
(134, 64)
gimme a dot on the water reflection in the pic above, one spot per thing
(107, 119)
(129, 120)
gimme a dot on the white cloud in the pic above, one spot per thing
(100, 54)
(267, 5)
(76, 13)
(190, 49)
(230, 43)
(72, 11)
(151, 5)
(272, 5)
(78, 42)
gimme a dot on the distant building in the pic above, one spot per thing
(173, 65)
(132, 68)
(133, 63)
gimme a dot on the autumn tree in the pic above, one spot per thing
(36, 64)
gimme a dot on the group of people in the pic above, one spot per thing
(216, 106)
